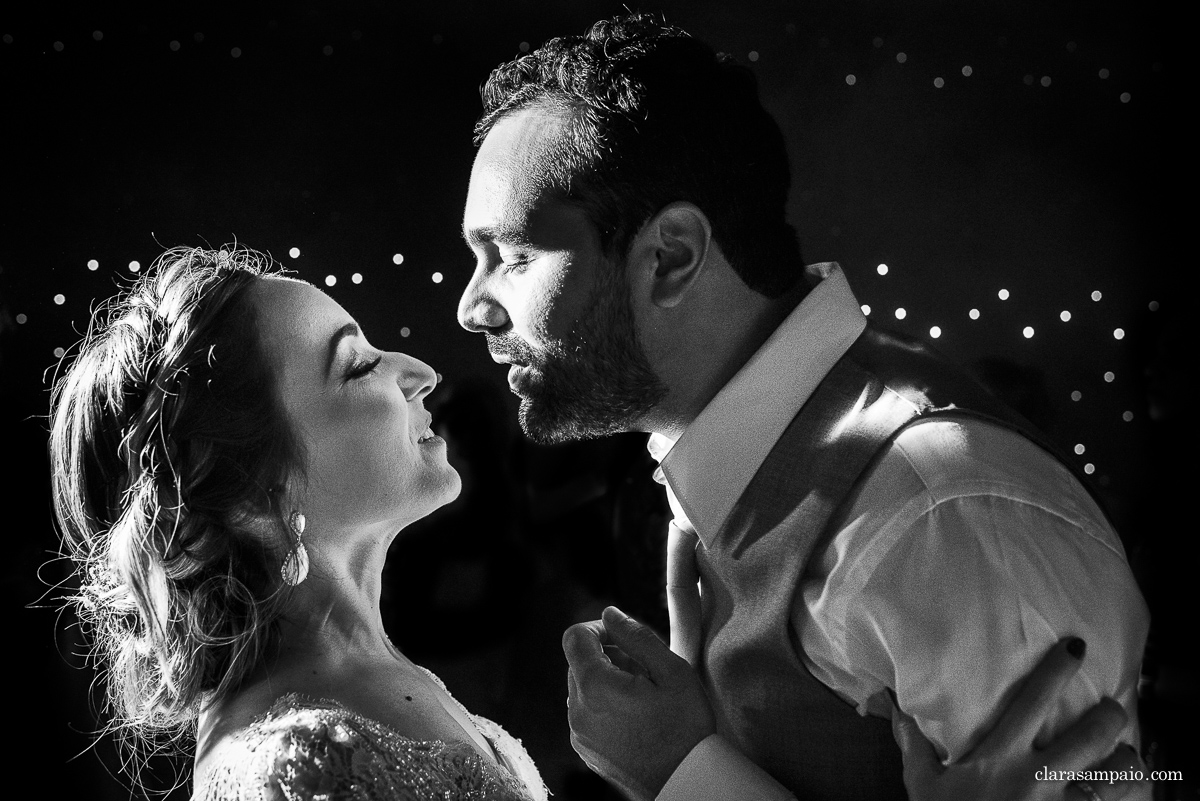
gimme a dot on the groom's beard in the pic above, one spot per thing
(594, 382)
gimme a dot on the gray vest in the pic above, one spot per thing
(766, 702)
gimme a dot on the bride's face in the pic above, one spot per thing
(373, 463)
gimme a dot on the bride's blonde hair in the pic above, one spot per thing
(167, 440)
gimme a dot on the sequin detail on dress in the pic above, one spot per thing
(318, 750)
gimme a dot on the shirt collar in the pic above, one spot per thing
(715, 458)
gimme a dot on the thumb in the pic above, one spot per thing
(639, 642)
(921, 762)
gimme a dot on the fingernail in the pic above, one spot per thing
(1076, 647)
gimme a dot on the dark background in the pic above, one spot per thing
(1055, 169)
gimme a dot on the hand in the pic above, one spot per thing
(635, 709)
(1006, 764)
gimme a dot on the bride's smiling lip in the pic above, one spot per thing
(425, 433)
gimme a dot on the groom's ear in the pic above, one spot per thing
(669, 253)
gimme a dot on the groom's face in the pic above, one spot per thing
(548, 300)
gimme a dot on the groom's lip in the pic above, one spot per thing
(501, 358)
(517, 377)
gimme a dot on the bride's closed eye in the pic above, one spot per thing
(362, 367)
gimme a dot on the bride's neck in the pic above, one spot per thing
(336, 609)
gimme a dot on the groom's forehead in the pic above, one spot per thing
(512, 171)
(523, 143)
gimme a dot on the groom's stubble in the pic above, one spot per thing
(595, 381)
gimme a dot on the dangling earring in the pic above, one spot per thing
(295, 564)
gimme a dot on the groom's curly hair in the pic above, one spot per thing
(656, 116)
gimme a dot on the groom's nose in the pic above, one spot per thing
(478, 309)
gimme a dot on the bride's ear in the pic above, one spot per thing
(267, 521)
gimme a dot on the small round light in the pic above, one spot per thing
(1110, 377)
(901, 313)
(22, 319)
(330, 280)
(1079, 449)
(1002, 294)
(973, 314)
(752, 55)
(935, 332)
(1153, 305)
(356, 278)
(60, 299)
(966, 71)
(294, 253)
(1089, 468)
(174, 45)
(1096, 295)
(1065, 316)
(398, 258)
(93, 265)
(1076, 395)
(135, 266)
(902, 57)
(523, 47)
(866, 309)
(1126, 97)
(1118, 333)
(437, 278)
(1045, 80)
(938, 83)
(1127, 416)
(236, 52)
(1027, 331)
(58, 353)
(882, 269)
(851, 80)
(1103, 73)
(404, 332)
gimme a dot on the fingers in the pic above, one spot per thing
(622, 661)
(1037, 697)
(921, 763)
(584, 644)
(640, 643)
(1088, 740)
(1124, 761)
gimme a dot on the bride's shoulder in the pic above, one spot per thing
(306, 747)
(298, 747)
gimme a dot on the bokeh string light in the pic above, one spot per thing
(994, 327)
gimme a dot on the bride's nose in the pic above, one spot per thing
(416, 378)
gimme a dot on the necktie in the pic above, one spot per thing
(683, 588)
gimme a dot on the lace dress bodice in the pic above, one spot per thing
(316, 749)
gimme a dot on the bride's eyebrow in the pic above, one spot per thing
(347, 330)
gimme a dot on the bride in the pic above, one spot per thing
(231, 460)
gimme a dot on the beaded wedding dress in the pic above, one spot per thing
(316, 749)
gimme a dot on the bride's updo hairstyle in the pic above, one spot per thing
(170, 451)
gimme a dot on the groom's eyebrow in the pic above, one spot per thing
(484, 234)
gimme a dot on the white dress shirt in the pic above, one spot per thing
(967, 553)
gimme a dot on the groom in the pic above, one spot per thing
(870, 531)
